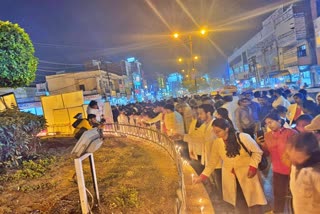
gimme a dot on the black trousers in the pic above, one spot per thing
(241, 204)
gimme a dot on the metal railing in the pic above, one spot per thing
(162, 140)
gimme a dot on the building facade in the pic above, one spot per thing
(90, 82)
(282, 52)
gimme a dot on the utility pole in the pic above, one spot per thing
(192, 62)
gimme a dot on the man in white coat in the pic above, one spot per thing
(280, 100)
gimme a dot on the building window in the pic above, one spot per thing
(82, 88)
(302, 51)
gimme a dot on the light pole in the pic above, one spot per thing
(193, 58)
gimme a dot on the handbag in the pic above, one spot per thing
(264, 161)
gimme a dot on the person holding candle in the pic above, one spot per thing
(241, 186)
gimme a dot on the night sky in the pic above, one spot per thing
(73, 31)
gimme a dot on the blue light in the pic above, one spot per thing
(131, 59)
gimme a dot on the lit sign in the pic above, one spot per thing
(131, 59)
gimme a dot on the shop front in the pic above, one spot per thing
(278, 78)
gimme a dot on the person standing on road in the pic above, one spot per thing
(274, 143)
(241, 186)
(244, 119)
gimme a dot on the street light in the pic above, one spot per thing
(203, 31)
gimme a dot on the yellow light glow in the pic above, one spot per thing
(203, 31)
(176, 35)
(196, 57)
(187, 75)
(180, 59)
(182, 70)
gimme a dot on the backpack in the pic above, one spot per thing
(264, 161)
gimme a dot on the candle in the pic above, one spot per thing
(192, 176)
(202, 209)
(200, 200)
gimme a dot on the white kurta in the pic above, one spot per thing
(251, 187)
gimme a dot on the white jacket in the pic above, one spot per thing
(231, 107)
(305, 188)
(174, 123)
(251, 187)
(281, 101)
(192, 138)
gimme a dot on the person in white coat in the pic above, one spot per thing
(173, 121)
(239, 169)
(304, 153)
(280, 100)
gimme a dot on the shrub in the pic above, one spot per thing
(18, 138)
(17, 61)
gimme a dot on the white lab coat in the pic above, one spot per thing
(251, 187)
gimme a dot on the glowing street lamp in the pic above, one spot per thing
(176, 35)
(203, 31)
(182, 70)
(180, 59)
(196, 57)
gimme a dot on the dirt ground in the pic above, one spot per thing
(133, 177)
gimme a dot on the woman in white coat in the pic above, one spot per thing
(240, 183)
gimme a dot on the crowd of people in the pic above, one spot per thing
(226, 138)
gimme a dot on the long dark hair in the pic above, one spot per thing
(232, 145)
(223, 112)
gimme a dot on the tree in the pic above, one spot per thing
(17, 61)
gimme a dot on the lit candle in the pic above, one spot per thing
(192, 176)
(200, 200)
(202, 209)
